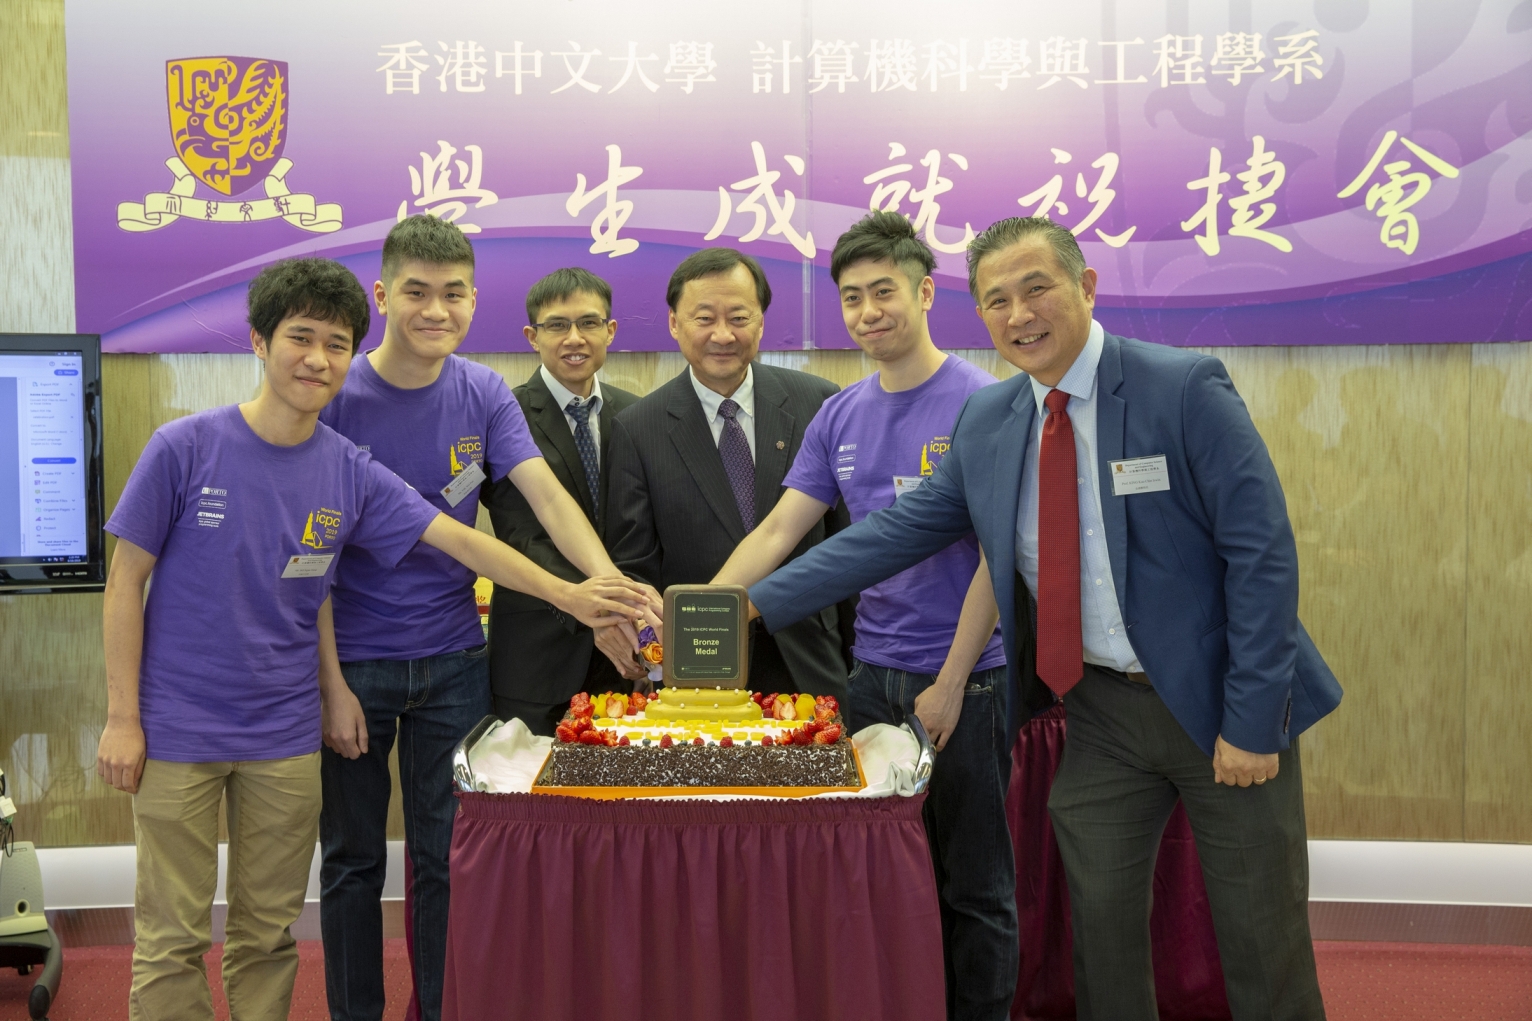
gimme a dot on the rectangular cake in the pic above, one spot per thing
(701, 739)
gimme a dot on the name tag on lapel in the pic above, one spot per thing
(1139, 475)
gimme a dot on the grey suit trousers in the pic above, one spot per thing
(1126, 762)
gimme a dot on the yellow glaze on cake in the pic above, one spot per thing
(709, 697)
(702, 710)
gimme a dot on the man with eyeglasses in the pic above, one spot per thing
(406, 651)
(540, 656)
(698, 463)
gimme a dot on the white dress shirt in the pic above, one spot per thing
(563, 395)
(1105, 640)
(744, 397)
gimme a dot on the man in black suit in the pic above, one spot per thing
(700, 461)
(540, 656)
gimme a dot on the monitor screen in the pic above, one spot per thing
(50, 463)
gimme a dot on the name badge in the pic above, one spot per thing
(314, 565)
(1139, 475)
(466, 482)
(907, 484)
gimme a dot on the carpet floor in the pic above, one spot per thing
(97, 979)
(1361, 981)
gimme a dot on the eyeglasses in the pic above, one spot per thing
(591, 326)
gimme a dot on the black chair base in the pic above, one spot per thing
(26, 951)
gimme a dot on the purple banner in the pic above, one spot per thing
(1273, 172)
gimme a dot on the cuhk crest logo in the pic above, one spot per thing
(228, 123)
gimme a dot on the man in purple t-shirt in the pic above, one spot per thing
(926, 641)
(409, 649)
(240, 514)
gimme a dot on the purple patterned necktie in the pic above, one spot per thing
(737, 463)
(580, 410)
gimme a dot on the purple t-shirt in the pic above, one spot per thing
(230, 667)
(425, 605)
(862, 438)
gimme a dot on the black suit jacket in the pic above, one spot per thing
(672, 518)
(538, 653)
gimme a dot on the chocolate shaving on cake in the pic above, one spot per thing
(577, 765)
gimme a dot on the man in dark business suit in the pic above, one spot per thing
(700, 461)
(1123, 487)
(539, 655)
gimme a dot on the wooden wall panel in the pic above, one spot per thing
(1378, 486)
(641, 372)
(1498, 718)
(52, 694)
(1372, 448)
(34, 92)
(1408, 472)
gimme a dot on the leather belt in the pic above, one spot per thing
(1134, 676)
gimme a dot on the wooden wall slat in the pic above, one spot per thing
(1372, 447)
(1497, 804)
(1375, 448)
(1408, 472)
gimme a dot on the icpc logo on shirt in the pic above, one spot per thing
(322, 528)
(931, 453)
(467, 450)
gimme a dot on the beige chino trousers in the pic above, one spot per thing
(273, 825)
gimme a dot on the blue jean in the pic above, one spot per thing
(966, 825)
(435, 702)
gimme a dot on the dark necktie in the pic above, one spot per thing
(1059, 656)
(737, 463)
(579, 410)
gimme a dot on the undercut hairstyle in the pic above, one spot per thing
(712, 261)
(1005, 233)
(565, 283)
(883, 237)
(320, 289)
(424, 238)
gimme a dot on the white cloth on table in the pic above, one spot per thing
(507, 759)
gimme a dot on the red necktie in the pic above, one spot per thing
(1059, 658)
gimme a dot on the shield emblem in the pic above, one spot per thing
(228, 118)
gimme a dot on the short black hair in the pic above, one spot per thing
(712, 261)
(1004, 233)
(424, 238)
(320, 289)
(561, 284)
(883, 237)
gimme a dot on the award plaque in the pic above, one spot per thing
(707, 637)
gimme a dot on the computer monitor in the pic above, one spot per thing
(51, 492)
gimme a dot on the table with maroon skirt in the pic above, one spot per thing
(823, 909)
(1187, 976)
(569, 908)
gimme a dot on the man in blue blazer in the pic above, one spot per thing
(1146, 574)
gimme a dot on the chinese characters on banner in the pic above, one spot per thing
(888, 192)
(881, 65)
(1261, 179)
(1208, 159)
(1391, 199)
(891, 65)
(614, 213)
(434, 192)
(763, 186)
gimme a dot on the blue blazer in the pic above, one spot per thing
(1206, 572)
